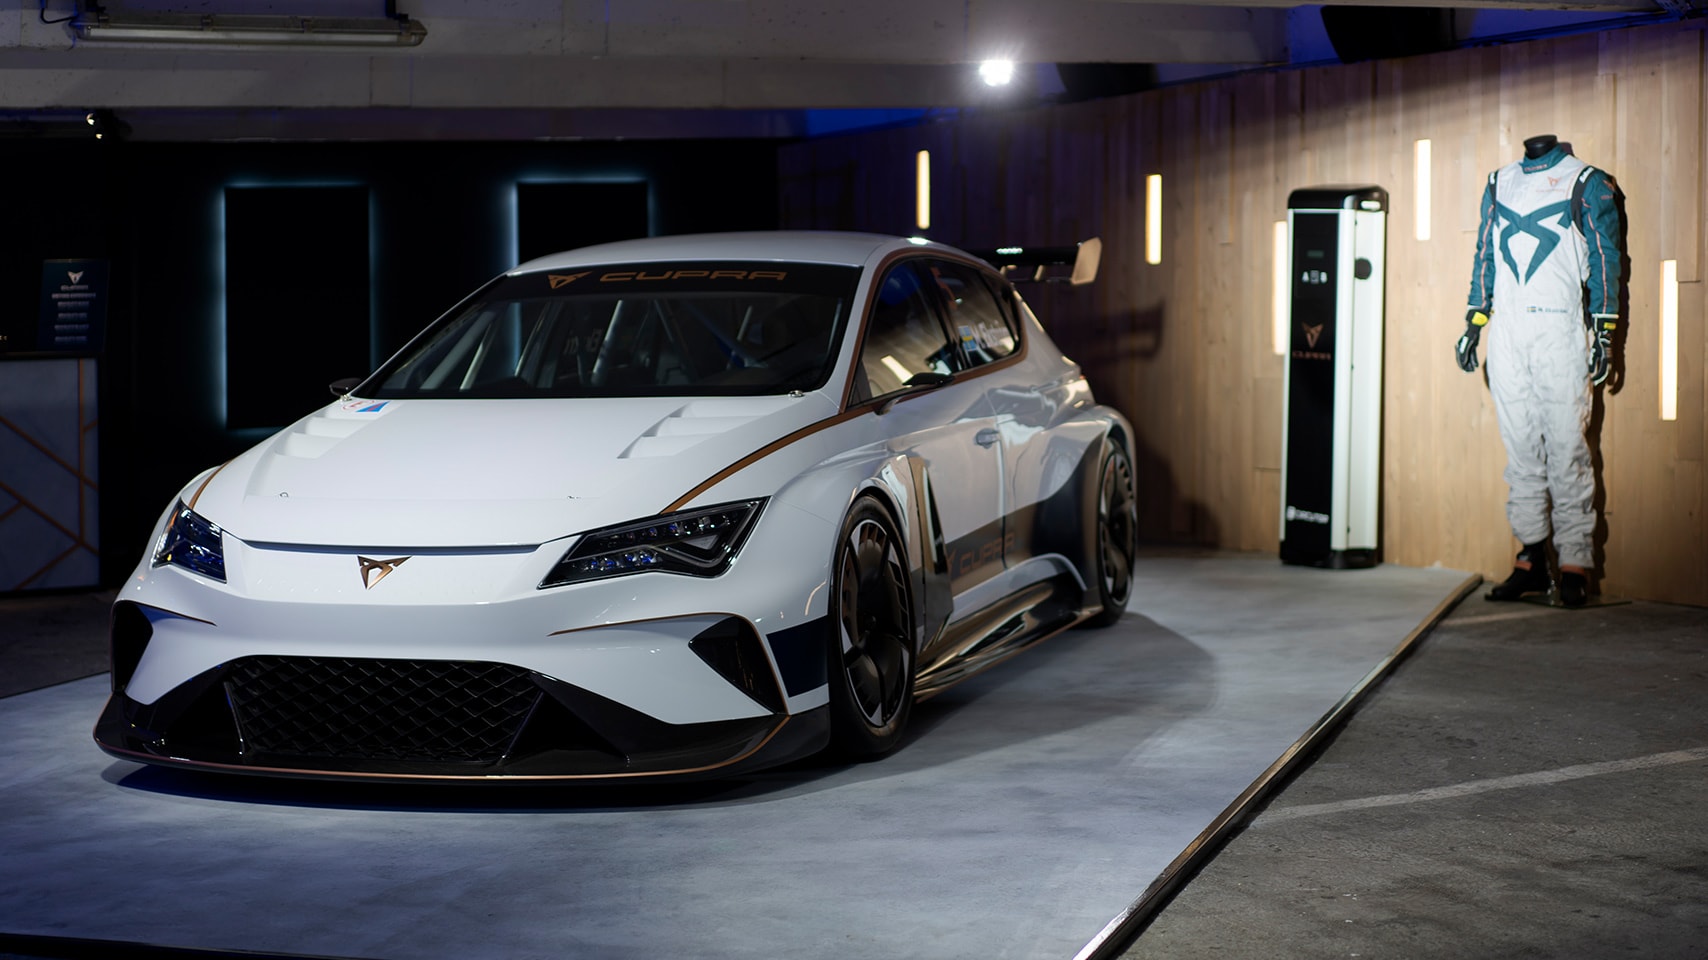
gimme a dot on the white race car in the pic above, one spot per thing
(663, 508)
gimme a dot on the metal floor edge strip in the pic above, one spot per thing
(1120, 931)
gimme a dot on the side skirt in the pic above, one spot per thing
(999, 631)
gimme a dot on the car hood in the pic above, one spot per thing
(467, 473)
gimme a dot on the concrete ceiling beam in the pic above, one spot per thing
(850, 31)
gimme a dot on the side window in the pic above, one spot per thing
(904, 337)
(977, 320)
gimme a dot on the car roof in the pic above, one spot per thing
(797, 246)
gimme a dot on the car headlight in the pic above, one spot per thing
(699, 543)
(192, 542)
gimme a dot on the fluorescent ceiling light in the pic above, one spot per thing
(250, 29)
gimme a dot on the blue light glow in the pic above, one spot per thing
(511, 241)
(373, 287)
(217, 335)
(833, 120)
(220, 316)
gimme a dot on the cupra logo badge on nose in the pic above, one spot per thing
(373, 571)
(1312, 333)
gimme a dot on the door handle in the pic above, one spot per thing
(987, 436)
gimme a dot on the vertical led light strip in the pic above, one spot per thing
(922, 189)
(1420, 187)
(1280, 288)
(1669, 339)
(222, 363)
(1153, 218)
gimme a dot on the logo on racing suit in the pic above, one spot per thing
(1547, 238)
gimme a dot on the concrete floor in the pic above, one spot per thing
(1528, 784)
(1524, 785)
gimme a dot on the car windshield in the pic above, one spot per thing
(632, 330)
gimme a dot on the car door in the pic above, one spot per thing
(987, 329)
(950, 428)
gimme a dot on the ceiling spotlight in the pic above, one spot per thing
(996, 73)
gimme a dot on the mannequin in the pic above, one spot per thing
(1549, 235)
(1538, 146)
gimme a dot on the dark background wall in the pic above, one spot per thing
(181, 392)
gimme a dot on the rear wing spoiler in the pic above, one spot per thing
(1040, 264)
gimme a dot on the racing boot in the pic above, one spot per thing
(1574, 587)
(1529, 575)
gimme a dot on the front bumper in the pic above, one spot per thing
(447, 720)
(535, 732)
(458, 668)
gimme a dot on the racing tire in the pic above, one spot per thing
(871, 647)
(1117, 536)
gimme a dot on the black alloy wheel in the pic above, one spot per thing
(1117, 535)
(871, 647)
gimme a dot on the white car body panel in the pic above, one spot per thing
(486, 471)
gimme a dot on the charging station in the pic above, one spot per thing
(1331, 443)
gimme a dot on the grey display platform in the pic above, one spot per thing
(1031, 805)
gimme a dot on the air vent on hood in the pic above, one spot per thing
(313, 437)
(693, 423)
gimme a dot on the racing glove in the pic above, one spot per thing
(1466, 350)
(1601, 345)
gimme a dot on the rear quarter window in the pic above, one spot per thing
(982, 328)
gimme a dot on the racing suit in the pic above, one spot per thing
(1536, 259)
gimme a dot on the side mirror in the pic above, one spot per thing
(343, 387)
(928, 380)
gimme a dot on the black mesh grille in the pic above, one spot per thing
(437, 710)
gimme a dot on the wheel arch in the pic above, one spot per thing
(921, 532)
(1117, 433)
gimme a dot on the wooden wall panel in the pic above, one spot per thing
(1456, 500)
(1404, 90)
(1639, 495)
(1256, 150)
(1680, 109)
(1688, 568)
(1184, 347)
